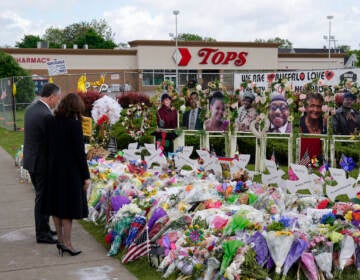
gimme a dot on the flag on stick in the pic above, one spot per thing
(305, 159)
(140, 247)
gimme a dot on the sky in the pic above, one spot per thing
(302, 22)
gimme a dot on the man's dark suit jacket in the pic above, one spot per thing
(185, 120)
(35, 154)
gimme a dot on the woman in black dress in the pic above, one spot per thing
(69, 175)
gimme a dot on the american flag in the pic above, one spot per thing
(305, 159)
(140, 247)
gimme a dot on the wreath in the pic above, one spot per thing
(137, 119)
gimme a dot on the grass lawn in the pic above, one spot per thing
(11, 141)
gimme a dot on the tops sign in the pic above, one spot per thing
(213, 56)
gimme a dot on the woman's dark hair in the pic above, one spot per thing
(316, 96)
(71, 106)
(217, 95)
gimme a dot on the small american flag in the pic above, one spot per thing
(140, 247)
(305, 159)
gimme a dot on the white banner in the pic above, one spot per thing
(297, 79)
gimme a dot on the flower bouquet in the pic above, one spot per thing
(323, 253)
(279, 244)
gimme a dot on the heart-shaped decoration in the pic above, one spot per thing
(329, 75)
(270, 77)
(259, 127)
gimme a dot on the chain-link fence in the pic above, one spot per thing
(25, 89)
(6, 104)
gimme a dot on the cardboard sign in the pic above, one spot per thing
(345, 186)
(275, 175)
(86, 123)
(306, 181)
(56, 67)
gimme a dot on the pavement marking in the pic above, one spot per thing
(95, 272)
(16, 235)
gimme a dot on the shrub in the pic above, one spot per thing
(133, 97)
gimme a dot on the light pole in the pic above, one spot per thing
(175, 13)
(329, 18)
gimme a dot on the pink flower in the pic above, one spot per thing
(302, 96)
(257, 99)
(302, 109)
(327, 98)
(325, 108)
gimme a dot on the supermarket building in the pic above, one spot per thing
(148, 62)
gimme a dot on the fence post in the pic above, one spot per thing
(13, 102)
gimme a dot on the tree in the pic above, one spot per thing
(25, 88)
(94, 40)
(284, 43)
(96, 34)
(55, 37)
(194, 37)
(99, 30)
(29, 41)
(357, 53)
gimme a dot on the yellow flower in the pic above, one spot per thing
(348, 216)
(283, 232)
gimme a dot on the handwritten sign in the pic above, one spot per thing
(86, 123)
(306, 181)
(345, 186)
(56, 67)
(275, 175)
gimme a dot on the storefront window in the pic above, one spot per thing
(148, 77)
(155, 77)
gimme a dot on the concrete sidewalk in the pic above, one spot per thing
(22, 258)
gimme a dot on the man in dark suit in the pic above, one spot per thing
(35, 154)
(191, 118)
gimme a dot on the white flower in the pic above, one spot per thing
(106, 106)
(198, 87)
(289, 101)
(182, 108)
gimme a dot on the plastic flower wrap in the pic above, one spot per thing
(279, 246)
(323, 258)
(235, 224)
(106, 106)
(212, 265)
(309, 266)
(156, 215)
(229, 247)
(234, 268)
(136, 225)
(347, 250)
(119, 201)
(119, 228)
(258, 242)
(297, 248)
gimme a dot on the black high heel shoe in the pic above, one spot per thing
(62, 248)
